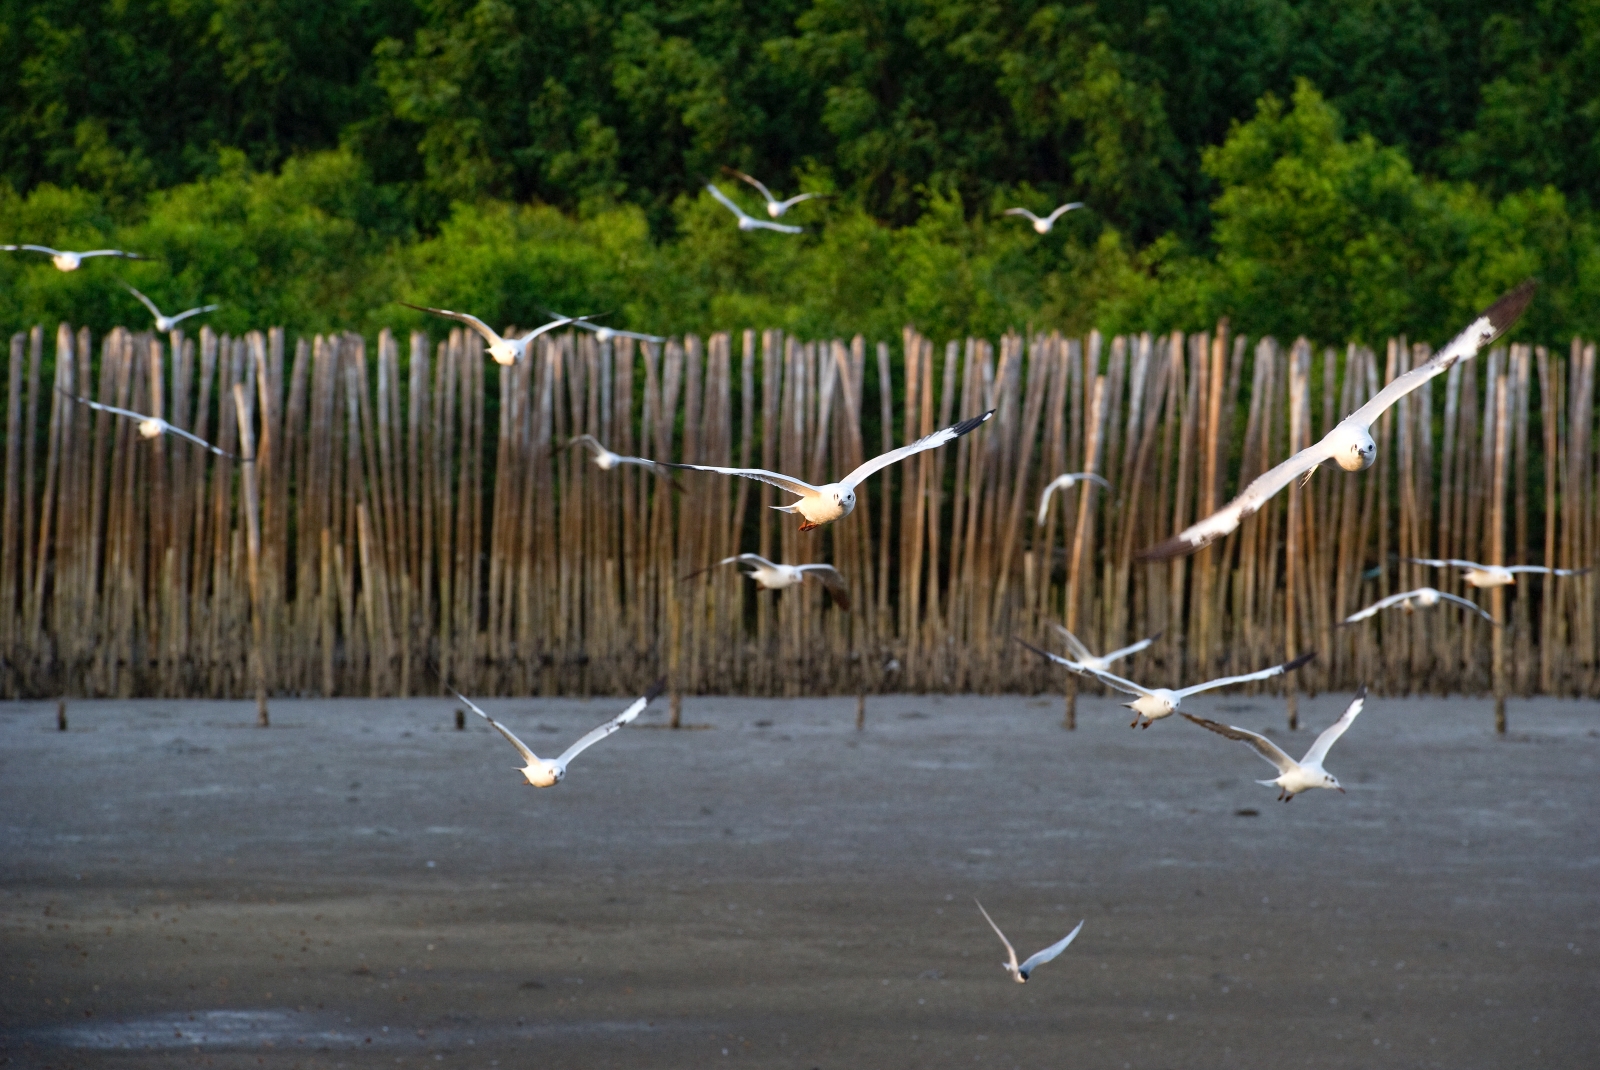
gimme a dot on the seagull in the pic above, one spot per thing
(1152, 704)
(1478, 575)
(827, 503)
(1020, 973)
(775, 207)
(1295, 776)
(505, 351)
(153, 426)
(546, 772)
(605, 334)
(1089, 662)
(1042, 226)
(605, 460)
(770, 576)
(747, 221)
(164, 324)
(1065, 482)
(1349, 444)
(1426, 597)
(69, 261)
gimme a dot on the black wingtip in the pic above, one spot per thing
(656, 690)
(1177, 546)
(1030, 646)
(971, 425)
(1504, 312)
(1301, 660)
(1362, 693)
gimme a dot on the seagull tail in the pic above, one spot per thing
(785, 508)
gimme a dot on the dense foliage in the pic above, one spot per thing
(1342, 170)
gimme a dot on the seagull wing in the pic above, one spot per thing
(33, 248)
(1042, 957)
(1548, 570)
(1107, 678)
(129, 413)
(1134, 649)
(1264, 746)
(522, 748)
(145, 301)
(727, 203)
(464, 317)
(1479, 610)
(1331, 734)
(113, 252)
(926, 442)
(1011, 951)
(1074, 644)
(1379, 606)
(588, 442)
(1444, 563)
(1489, 325)
(1276, 670)
(612, 725)
(784, 206)
(833, 581)
(559, 321)
(198, 441)
(783, 228)
(756, 182)
(1062, 482)
(1257, 494)
(777, 479)
(1022, 211)
(1059, 212)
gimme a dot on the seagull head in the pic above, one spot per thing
(1355, 449)
(844, 497)
(1331, 781)
(543, 774)
(150, 428)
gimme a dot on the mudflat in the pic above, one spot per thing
(363, 885)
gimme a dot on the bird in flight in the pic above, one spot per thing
(1294, 777)
(605, 460)
(775, 207)
(1426, 597)
(1065, 482)
(153, 426)
(1478, 575)
(770, 576)
(546, 772)
(1020, 973)
(746, 220)
(1151, 704)
(67, 260)
(1042, 226)
(827, 503)
(164, 324)
(505, 351)
(1349, 444)
(1082, 657)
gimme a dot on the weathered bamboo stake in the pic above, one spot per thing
(1522, 654)
(1497, 541)
(252, 515)
(10, 610)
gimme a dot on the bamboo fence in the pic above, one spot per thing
(413, 513)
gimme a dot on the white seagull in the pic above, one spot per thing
(1089, 662)
(775, 207)
(770, 576)
(1151, 704)
(547, 772)
(605, 460)
(504, 350)
(827, 503)
(1349, 444)
(66, 260)
(1020, 973)
(1426, 597)
(153, 426)
(605, 334)
(1478, 575)
(1064, 482)
(164, 324)
(1294, 777)
(746, 220)
(1042, 226)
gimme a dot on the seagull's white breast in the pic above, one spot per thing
(542, 774)
(150, 428)
(829, 503)
(1490, 576)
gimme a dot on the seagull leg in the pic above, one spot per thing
(806, 525)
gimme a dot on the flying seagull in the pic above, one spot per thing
(1042, 226)
(504, 350)
(605, 460)
(1089, 662)
(770, 576)
(164, 324)
(66, 260)
(1151, 704)
(1426, 597)
(1478, 575)
(1349, 444)
(546, 772)
(1065, 482)
(775, 207)
(827, 503)
(747, 221)
(1294, 777)
(1020, 973)
(153, 426)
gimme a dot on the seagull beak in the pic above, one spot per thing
(1339, 790)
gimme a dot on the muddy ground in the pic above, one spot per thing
(362, 885)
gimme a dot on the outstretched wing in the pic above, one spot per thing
(756, 182)
(112, 252)
(1548, 570)
(129, 413)
(833, 581)
(180, 317)
(1059, 212)
(612, 725)
(1010, 951)
(1048, 953)
(588, 442)
(1378, 607)
(926, 442)
(1276, 670)
(464, 317)
(145, 301)
(727, 203)
(522, 748)
(784, 206)
(1226, 519)
(1134, 649)
(1444, 562)
(1331, 734)
(31, 248)
(777, 479)
(1479, 610)
(782, 228)
(198, 441)
(1065, 480)
(1107, 678)
(1022, 211)
(1074, 644)
(1264, 746)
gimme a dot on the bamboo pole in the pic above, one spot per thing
(252, 513)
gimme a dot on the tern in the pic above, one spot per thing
(164, 324)
(505, 351)
(1294, 777)
(827, 503)
(775, 207)
(547, 772)
(1151, 704)
(605, 460)
(153, 426)
(1478, 575)
(1426, 597)
(746, 220)
(1042, 226)
(1064, 482)
(770, 576)
(1020, 973)
(66, 260)
(1089, 662)
(1349, 444)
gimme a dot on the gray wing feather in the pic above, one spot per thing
(1276, 670)
(1263, 746)
(1331, 734)
(927, 442)
(1050, 952)
(522, 747)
